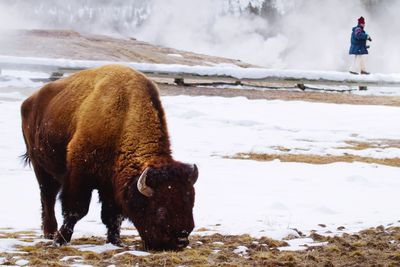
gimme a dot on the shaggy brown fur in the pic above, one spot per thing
(100, 129)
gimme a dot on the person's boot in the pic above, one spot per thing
(352, 72)
(364, 72)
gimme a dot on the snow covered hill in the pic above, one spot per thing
(69, 44)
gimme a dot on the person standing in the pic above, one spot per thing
(359, 47)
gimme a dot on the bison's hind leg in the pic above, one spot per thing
(112, 217)
(49, 188)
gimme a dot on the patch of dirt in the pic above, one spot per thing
(378, 246)
(315, 159)
(281, 94)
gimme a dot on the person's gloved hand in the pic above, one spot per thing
(369, 38)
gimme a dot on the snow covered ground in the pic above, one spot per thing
(242, 196)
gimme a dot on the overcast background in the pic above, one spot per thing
(301, 34)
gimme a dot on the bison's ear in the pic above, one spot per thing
(142, 184)
(194, 174)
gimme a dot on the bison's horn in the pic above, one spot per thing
(195, 174)
(142, 186)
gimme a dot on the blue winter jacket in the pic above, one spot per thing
(358, 41)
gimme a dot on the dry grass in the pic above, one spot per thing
(372, 247)
(374, 143)
(286, 156)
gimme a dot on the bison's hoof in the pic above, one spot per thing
(116, 242)
(59, 240)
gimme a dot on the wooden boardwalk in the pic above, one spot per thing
(232, 74)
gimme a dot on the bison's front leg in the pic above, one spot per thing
(75, 200)
(112, 217)
(113, 223)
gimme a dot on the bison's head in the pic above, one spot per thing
(161, 205)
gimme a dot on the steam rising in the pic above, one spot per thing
(306, 34)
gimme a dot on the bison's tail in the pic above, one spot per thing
(26, 160)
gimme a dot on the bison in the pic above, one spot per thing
(105, 129)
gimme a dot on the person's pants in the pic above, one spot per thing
(358, 64)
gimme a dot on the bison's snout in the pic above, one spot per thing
(174, 241)
(182, 242)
